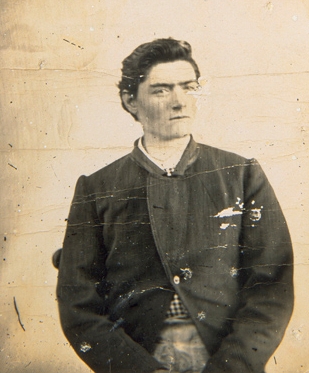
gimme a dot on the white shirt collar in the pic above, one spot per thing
(168, 165)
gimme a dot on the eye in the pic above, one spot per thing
(192, 87)
(162, 91)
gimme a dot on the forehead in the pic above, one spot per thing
(171, 73)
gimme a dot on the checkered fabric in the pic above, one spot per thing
(176, 308)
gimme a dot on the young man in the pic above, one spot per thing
(177, 256)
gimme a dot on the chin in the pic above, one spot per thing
(178, 135)
(182, 131)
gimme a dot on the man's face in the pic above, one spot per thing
(165, 101)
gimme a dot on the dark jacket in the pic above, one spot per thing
(215, 223)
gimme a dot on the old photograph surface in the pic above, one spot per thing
(154, 192)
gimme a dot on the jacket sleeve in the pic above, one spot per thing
(266, 276)
(98, 341)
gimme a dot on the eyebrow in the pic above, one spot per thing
(172, 85)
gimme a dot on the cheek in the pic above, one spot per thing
(157, 109)
(191, 102)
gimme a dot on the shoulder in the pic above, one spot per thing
(220, 156)
(118, 174)
(111, 168)
(211, 158)
(227, 165)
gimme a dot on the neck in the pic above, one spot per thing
(164, 149)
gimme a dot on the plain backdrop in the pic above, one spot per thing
(61, 117)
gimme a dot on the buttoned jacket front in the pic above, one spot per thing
(213, 232)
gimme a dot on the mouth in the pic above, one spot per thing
(178, 117)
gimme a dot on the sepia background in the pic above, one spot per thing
(61, 117)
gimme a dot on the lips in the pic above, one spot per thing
(179, 117)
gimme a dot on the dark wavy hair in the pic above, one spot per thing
(136, 66)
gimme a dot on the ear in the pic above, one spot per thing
(129, 102)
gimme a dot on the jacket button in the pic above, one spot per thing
(176, 280)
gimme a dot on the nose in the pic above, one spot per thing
(178, 98)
